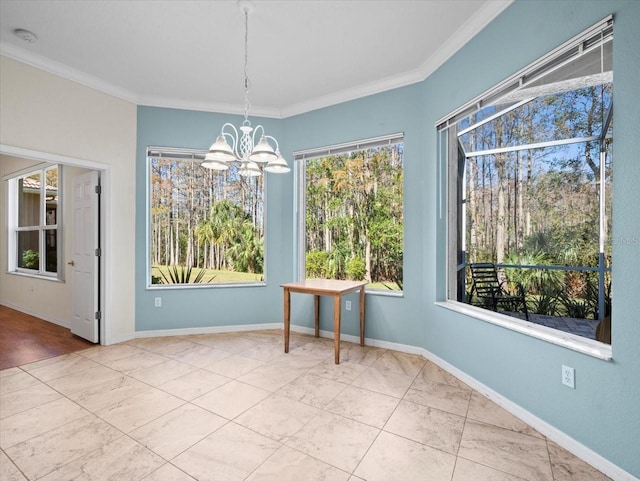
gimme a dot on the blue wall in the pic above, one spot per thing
(197, 307)
(388, 318)
(602, 412)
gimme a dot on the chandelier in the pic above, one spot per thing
(254, 157)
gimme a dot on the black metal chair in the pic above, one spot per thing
(490, 291)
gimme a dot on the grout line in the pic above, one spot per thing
(307, 371)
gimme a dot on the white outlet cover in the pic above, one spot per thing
(568, 376)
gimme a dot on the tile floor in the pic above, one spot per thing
(232, 407)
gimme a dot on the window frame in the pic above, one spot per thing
(300, 158)
(13, 227)
(195, 155)
(448, 196)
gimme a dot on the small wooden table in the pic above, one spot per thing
(324, 287)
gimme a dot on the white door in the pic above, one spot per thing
(85, 260)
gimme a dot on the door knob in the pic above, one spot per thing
(71, 263)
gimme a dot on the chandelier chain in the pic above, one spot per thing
(247, 104)
(255, 158)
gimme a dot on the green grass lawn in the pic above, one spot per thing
(212, 276)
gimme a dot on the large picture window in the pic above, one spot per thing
(34, 218)
(206, 227)
(530, 183)
(352, 199)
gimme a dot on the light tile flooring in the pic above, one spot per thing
(231, 407)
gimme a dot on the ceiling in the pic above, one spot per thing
(303, 54)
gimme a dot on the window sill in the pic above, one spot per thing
(380, 292)
(570, 341)
(35, 276)
(157, 287)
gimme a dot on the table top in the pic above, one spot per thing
(324, 286)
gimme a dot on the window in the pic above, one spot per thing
(34, 222)
(530, 180)
(352, 199)
(205, 227)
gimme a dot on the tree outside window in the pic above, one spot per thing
(354, 216)
(206, 227)
(532, 178)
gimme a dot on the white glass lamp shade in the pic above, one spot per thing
(262, 152)
(221, 151)
(211, 162)
(249, 169)
(277, 165)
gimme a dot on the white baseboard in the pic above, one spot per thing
(118, 339)
(39, 315)
(578, 449)
(356, 339)
(208, 330)
(553, 433)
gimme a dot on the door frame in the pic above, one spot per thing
(105, 278)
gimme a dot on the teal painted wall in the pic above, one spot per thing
(602, 411)
(388, 318)
(197, 307)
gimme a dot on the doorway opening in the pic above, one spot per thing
(51, 288)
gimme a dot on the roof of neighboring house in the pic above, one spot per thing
(31, 183)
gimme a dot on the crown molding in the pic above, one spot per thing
(371, 88)
(483, 17)
(229, 109)
(460, 37)
(66, 72)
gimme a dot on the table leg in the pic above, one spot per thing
(336, 326)
(362, 316)
(316, 313)
(287, 318)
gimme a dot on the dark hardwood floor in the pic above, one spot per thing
(25, 339)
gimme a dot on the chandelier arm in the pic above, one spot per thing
(233, 136)
(274, 141)
(255, 132)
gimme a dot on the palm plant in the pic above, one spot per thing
(221, 230)
(533, 280)
(575, 307)
(247, 252)
(546, 302)
(183, 275)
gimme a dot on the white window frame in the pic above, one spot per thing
(194, 155)
(447, 153)
(13, 228)
(300, 157)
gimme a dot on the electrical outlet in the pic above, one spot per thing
(158, 302)
(347, 305)
(568, 376)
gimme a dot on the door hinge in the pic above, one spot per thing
(98, 315)
(98, 252)
(98, 189)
